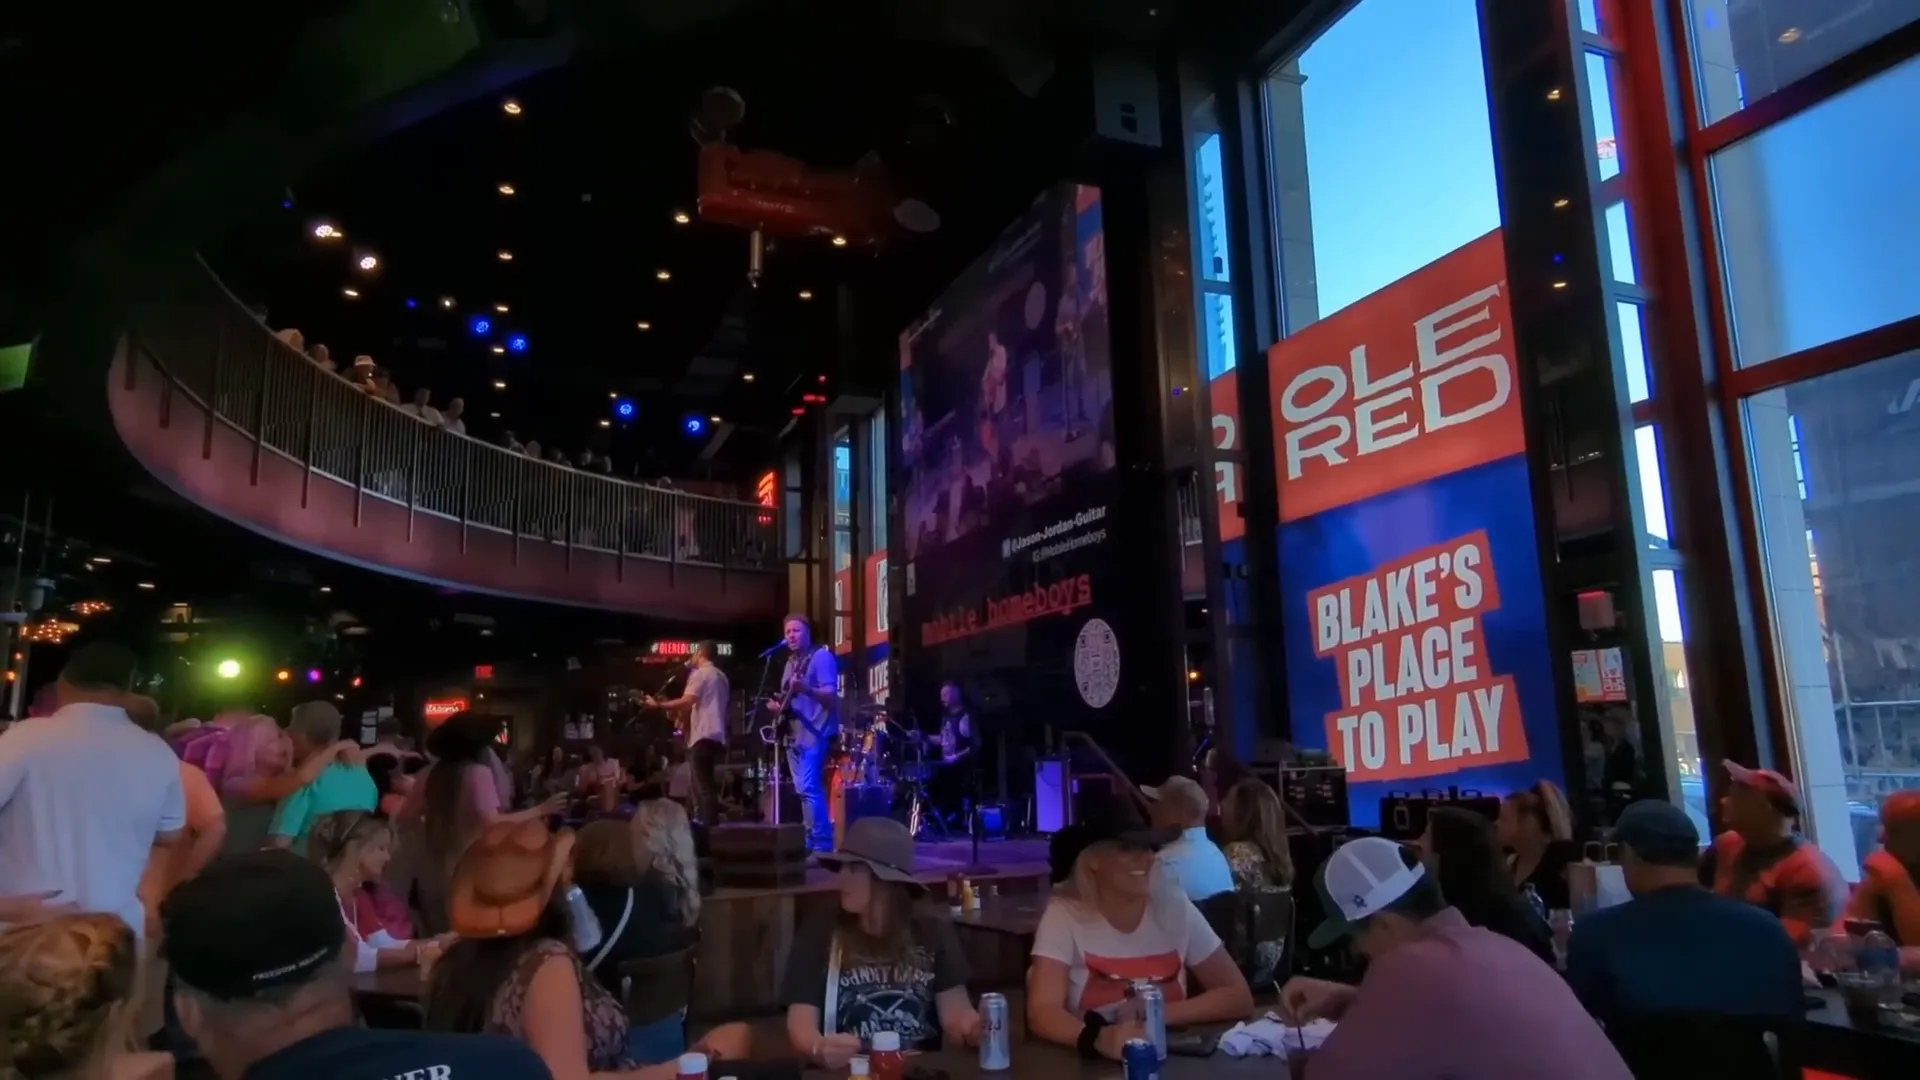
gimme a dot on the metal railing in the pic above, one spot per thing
(210, 346)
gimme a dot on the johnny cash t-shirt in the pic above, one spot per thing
(1172, 937)
(868, 997)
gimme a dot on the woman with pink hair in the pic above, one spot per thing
(258, 774)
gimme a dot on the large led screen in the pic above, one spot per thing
(1007, 453)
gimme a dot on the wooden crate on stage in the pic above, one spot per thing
(758, 856)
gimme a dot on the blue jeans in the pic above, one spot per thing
(659, 1042)
(807, 766)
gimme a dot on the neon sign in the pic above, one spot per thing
(677, 647)
(437, 711)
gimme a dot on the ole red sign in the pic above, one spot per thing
(1415, 381)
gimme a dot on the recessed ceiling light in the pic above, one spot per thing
(839, 241)
(613, 395)
(748, 377)
(351, 294)
(681, 217)
(499, 384)
(1561, 204)
(713, 419)
(326, 588)
(369, 262)
(446, 302)
(511, 107)
(146, 584)
(499, 349)
(327, 231)
(501, 308)
(493, 415)
(806, 294)
(663, 275)
(506, 189)
(506, 256)
(101, 560)
(1553, 94)
(606, 423)
(1790, 35)
(643, 325)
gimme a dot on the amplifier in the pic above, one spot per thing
(1403, 815)
(1318, 793)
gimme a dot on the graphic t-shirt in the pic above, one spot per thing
(1172, 937)
(862, 998)
(353, 1053)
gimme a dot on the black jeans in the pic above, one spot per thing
(703, 757)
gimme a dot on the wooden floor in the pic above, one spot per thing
(747, 934)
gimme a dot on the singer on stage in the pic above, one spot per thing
(959, 753)
(809, 702)
(707, 693)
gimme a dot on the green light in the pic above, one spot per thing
(228, 669)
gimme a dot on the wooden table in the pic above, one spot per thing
(1836, 1045)
(997, 939)
(394, 984)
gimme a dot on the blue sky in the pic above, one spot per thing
(1399, 145)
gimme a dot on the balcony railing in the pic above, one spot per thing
(210, 346)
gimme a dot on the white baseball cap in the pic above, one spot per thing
(1360, 879)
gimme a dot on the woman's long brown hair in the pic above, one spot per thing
(895, 906)
(1253, 814)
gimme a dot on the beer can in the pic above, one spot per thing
(1139, 1061)
(996, 1042)
(1153, 1017)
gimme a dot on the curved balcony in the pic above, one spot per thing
(219, 409)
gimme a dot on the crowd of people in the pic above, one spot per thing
(214, 898)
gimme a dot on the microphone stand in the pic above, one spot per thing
(974, 867)
(760, 696)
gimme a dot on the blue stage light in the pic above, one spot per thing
(412, 303)
(694, 425)
(623, 409)
(517, 343)
(480, 326)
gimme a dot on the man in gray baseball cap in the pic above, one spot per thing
(1676, 947)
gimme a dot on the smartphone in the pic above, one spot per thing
(1192, 1044)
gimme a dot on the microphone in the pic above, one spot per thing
(774, 648)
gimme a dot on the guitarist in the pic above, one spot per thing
(809, 703)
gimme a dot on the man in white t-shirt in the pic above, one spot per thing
(1193, 862)
(85, 794)
(707, 692)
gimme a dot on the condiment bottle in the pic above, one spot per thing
(969, 896)
(857, 1068)
(886, 1059)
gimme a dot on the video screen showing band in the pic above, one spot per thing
(1006, 385)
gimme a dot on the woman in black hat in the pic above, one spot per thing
(891, 964)
(1110, 925)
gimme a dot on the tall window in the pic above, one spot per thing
(842, 537)
(1816, 244)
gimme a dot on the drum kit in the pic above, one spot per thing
(881, 762)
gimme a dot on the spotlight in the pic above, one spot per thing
(283, 675)
(606, 423)
(446, 302)
(369, 262)
(517, 343)
(493, 416)
(511, 108)
(499, 350)
(748, 377)
(839, 241)
(146, 585)
(505, 255)
(480, 326)
(623, 408)
(694, 425)
(643, 325)
(806, 294)
(412, 303)
(356, 682)
(499, 384)
(713, 419)
(327, 231)
(664, 275)
(228, 669)
(506, 189)
(313, 674)
(681, 217)
(351, 294)
(501, 308)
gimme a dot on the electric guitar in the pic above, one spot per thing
(782, 703)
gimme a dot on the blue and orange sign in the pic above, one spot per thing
(1415, 621)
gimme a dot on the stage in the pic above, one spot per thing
(746, 934)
